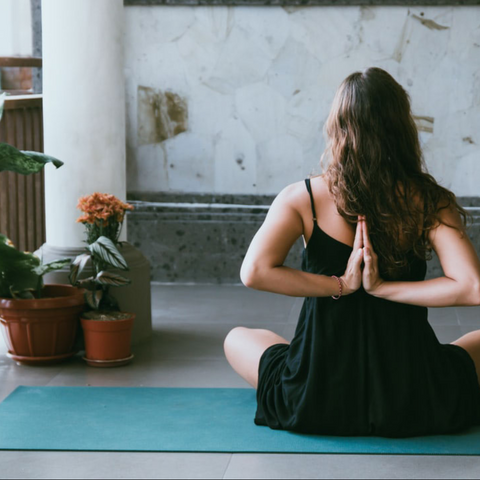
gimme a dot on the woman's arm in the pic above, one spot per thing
(460, 263)
(436, 292)
(263, 268)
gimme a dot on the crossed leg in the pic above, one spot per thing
(243, 348)
(471, 343)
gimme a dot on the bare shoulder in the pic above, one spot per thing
(293, 195)
(450, 217)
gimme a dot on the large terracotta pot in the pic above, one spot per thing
(42, 330)
(108, 342)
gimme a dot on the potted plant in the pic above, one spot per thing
(39, 322)
(107, 330)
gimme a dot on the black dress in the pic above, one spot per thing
(363, 365)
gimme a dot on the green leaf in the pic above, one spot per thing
(24, 162)
(2, 102)
(93, 298)
(88, 283)
(77, 266)
(16, 271)
(113, 279)
(52, 266)
(106, 250)
(23, 295)
(4, 239)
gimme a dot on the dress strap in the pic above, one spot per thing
(309, 188)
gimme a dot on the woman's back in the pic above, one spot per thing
(327, 216)
(362, 365)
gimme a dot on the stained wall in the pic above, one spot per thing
(233, 99)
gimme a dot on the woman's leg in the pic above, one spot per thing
(243, 348)
(471, 343)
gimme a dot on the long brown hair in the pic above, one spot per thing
(377, 169)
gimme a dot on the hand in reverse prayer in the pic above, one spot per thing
(371, 280)
(362, 251)
(352, 278)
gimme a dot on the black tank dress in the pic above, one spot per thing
(363, 365)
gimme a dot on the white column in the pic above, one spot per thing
(16, 28)
(84, 109)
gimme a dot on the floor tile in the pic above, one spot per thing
(6, 388)
(468, 315)
(468, 328)
(82, 465)
(10, 372)
(447, 334)
(443, 316)
(218, 303)
(352, 466)
(196, 341)
(161, 373)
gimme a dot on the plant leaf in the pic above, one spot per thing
(16, 269)
(52, 266)
(93, 298)
(23, 295)
(24, 162)
(113, 279)
(4, 239)
(107, 251)
(2, 102)
(88, 283)
(77, 266)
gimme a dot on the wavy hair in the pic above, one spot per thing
(377, 169)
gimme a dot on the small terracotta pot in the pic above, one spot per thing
(42, 330)
(108, 342)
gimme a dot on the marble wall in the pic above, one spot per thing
(233, 99)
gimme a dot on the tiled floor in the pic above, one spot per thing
(190, 323)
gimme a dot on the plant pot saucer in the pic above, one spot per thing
(23, 360)
(108, 363)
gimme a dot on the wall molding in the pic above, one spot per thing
(304, 3)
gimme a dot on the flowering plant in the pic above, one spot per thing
(103, 215)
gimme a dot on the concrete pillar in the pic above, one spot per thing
(84, 109)
(84, 126)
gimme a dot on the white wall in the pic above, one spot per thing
(258, 83)
(15, 28)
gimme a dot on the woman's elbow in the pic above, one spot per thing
(475, 294)
(470, 295)
(249, 275)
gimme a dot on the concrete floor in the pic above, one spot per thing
(190, 323)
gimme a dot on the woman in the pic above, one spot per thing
(364, 359)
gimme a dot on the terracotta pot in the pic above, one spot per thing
(108, 342)
(42, 330)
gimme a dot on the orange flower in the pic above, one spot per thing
(100, 207)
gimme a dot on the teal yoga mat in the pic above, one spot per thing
(179, 420)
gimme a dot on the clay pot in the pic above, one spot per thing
(108, 342)
(43, 330)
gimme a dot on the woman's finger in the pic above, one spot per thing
(359, 257)
(358, 242)
(366, 238)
